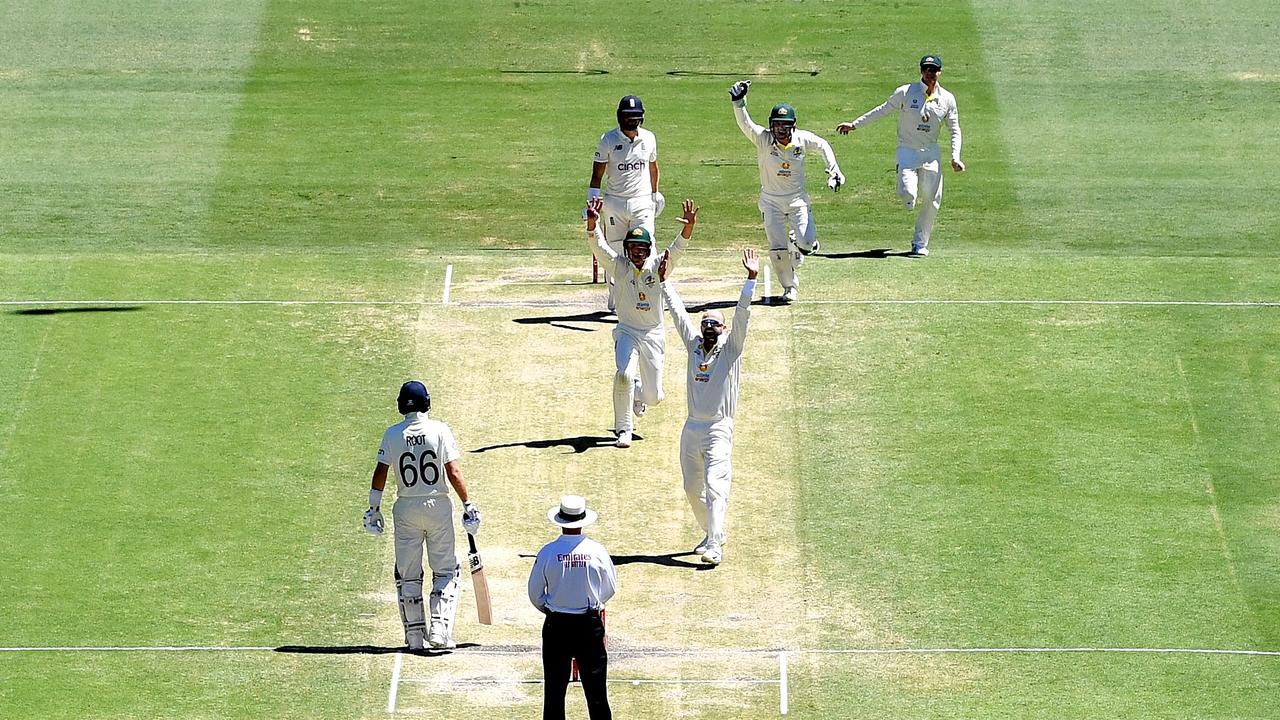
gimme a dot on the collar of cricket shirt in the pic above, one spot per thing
(709, 358)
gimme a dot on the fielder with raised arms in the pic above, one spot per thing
(628, 156)
(423, 451)
(639, 339)
(780, 151)
(706, 443)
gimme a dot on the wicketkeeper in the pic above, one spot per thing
(780, 151)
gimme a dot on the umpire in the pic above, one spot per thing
(572, 578)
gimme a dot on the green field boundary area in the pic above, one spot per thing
(1031, 475)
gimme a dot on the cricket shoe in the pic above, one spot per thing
(810, 251)
(638, 408)
(624, 439)
(413, 639)
(918, 251)
(712, 555)
(790, 294)
(437, 640)
(702, 546)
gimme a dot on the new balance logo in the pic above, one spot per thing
(617, 147)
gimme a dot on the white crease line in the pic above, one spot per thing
(147, 648)
(448, 283)
(783, 700)
(580, 303)
(395, 684)
(682, 652)
(611, 681)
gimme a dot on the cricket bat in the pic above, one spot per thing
(484, 611)
(574, 675)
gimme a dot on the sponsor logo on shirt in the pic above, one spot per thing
(572, 560)
(617, 147)
(637, 165)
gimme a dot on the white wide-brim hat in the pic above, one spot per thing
(572, 512)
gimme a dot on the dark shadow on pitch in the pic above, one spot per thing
(578, 444)
(668, 560)
(873, 254)
(74, 310)
(363, 650)
(718, 305)
(598, 316)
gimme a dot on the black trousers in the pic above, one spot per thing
(574, 637)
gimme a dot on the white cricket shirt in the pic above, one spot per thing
(417, 449)
(922, 117)
(627, 162)
(572, 574)
(712, 378)
(782, 166)
(639, 299)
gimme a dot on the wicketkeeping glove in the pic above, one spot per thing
(659, 204)
(835, 181)
(470, 518)
(738, 90)
(373, 521)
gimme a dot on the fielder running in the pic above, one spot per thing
(639, 340)
(419, 448)
(628, 156)
(780, 151)
(706, 443)
(923, 108)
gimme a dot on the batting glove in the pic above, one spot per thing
(470, 518)
(373, 521)
(835, 181)
(738, 90)
(659, 204)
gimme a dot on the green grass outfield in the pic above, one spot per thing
(1056, 434)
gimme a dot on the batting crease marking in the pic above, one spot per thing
(686, 652)
(395, 683)
(586, 303)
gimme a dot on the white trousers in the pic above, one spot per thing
(785, 242)
(920, 186)
(638, 357)
(429, 521)
(619, 215)
(706, 447)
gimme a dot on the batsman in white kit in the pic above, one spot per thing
(639, 339)
(923, 108)
(706, 443)
(781, 150)
(627, 161)
(423, 452)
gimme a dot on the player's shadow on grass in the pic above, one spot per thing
(718, 305)
(579, 444)
(363, 650)
(873, 254)
(668, 560)
(598, 316)
(82, 309)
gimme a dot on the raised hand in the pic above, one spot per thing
(594, 206)
(738, 90)
(690, 215)
(751, 261)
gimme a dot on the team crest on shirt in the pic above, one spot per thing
(786, 166)
(643, 297)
